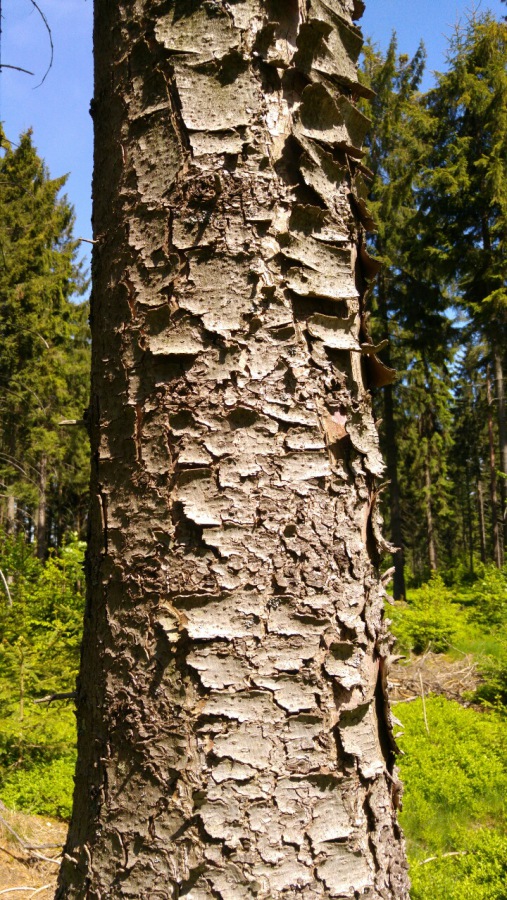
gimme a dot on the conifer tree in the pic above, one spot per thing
(233, 733)
(465, 196)
(408, 307)
(43, 348)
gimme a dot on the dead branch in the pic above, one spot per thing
(17, 68)
(68, 695)
(35, 890)
(48, 29)
(28, 848)
(432, 858)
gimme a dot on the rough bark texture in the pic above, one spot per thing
(234, 733)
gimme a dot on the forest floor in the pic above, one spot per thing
(434, 673)
(23, 874)
(24, 838)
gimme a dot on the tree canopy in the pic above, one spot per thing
(44, 360)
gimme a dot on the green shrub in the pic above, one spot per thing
(429, 619)
(40, 635)
(455, 801)
(488, 598)
(44, 789)
(479, 874)
(493, 692)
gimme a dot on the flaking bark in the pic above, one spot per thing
(234, 733)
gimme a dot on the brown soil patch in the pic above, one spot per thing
(21, 865)
(433, 673)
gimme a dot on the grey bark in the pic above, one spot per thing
(10, 518)
(234, 735)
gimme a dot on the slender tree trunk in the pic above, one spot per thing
(432, 548)
(234, 740)
(502, 437)
(497, 543)
(391, 453)
(41, 536)
(10, 518)
(469, 522)
(482, 527)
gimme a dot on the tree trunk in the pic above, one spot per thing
(234, 738)
(482, 527)
(430, 527)
(391, 452)
(502, 437)
(41, 515)
(468, 531)
(497, 543)
(10, 518)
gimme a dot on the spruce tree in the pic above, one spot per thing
(408, 305)
(233, 733)
(465, 197)
(44, 347)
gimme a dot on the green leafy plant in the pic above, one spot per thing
(40, 634)
(43, 788)
(429, 620)
(488, 598)
(493, 691)
(455, 788)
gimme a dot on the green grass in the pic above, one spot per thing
(455, 800)
(40, 635)
(42, 789)
(455, 814)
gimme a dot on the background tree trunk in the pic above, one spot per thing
(399, 588)
(432, 549)
(482, 526)
(502, 438)
(391, 456)
(41, 513)
(234, 733)
(495, 516)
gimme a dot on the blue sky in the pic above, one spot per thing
(57, 110)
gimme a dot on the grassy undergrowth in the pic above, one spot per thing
(40, 633)
(454, 816)
(455, 801)
(455, 804)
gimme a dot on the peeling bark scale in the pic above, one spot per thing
(234, 731)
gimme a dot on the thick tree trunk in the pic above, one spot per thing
(234, 733)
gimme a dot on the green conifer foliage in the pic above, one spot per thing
(44, 351)
(464, 201)
(409, 306)
(466, 192)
